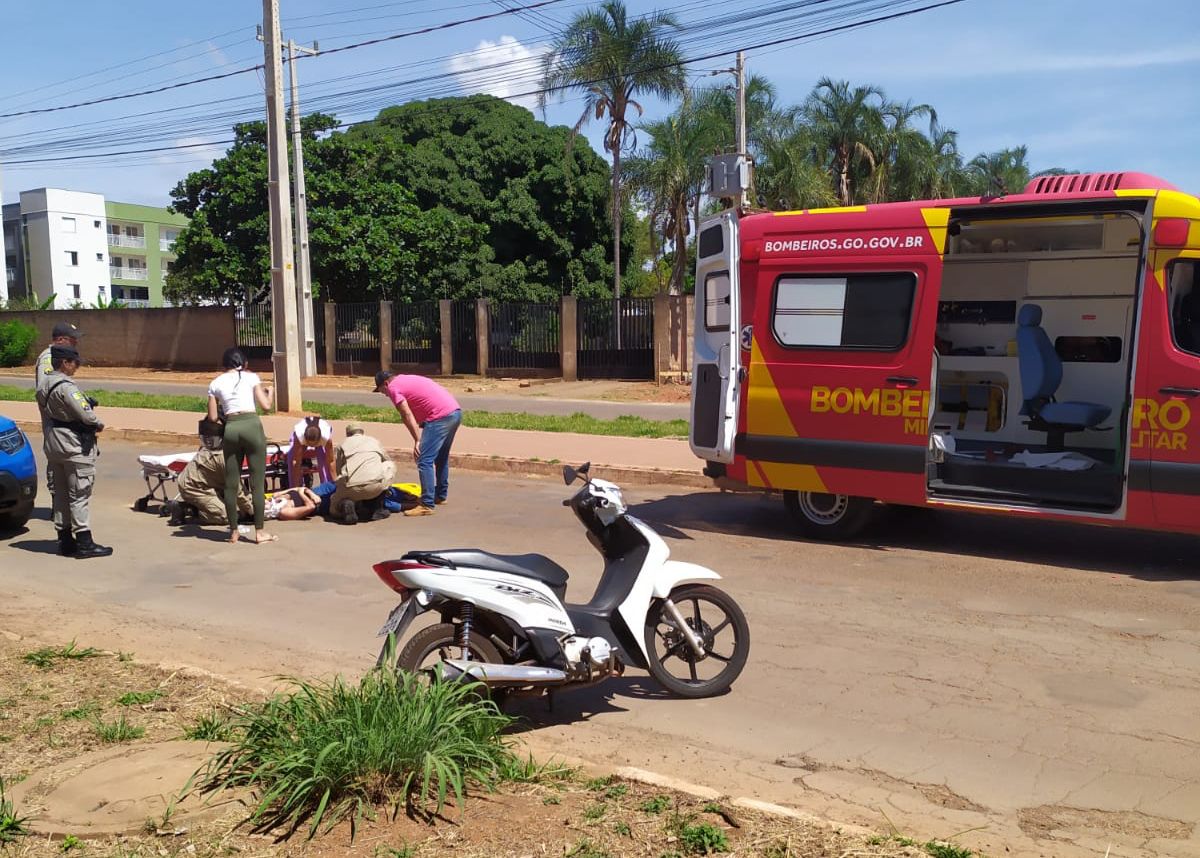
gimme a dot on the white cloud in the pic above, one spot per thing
(503, 68)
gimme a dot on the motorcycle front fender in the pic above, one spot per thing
(672, 573)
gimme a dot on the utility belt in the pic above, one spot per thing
(86, 432)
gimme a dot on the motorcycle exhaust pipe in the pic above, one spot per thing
(498, 675)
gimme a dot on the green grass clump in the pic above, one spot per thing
(120, 730)
(586, 849)
(211, 727)
(326, 752)
(11, 825)
(47, 656)
(658, 804)
(139, 698)
(623, 426)
(702, 839)
(81, 713)
(941, 849)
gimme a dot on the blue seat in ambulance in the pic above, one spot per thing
(1041, 375)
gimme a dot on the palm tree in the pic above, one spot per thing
(1005, 171)
(788, 175)
(668, 175)
(849, 127)
(615, 60)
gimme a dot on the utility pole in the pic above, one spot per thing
(286, 355)
(740, 72)
(308, 343)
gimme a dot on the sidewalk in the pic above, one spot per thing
(624, 460)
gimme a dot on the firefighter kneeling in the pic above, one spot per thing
(71, 450)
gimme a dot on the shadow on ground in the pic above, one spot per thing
(1139, 554)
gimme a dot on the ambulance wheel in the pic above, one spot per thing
(820, 515)
(140, 505)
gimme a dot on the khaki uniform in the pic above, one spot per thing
(364, 471)
(69, 442)
(202, 484)
(41, 369)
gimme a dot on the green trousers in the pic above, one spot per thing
(244, 439)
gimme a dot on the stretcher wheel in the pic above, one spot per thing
(141, 504)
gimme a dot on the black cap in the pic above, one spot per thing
(65, 329)
(381, 378)
(64, 353)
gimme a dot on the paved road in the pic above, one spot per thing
(530, 403)
(1035, 685)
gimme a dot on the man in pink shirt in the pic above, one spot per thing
(432, 416)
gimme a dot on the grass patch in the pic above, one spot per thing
(12, 826)
(82, 713)
(111, 732)
(941, 849)
(46, 657)
(624, 426)
(658, 804)
(327, 752)
(210, 727)
(702, 839)
(139, 698)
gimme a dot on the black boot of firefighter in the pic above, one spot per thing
(86, 548)
(66, 543)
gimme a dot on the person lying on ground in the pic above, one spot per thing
(292, 504)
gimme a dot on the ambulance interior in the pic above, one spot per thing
(1033, 349)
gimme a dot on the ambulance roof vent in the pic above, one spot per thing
(1081, 183)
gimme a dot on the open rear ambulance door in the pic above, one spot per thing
(715, 376)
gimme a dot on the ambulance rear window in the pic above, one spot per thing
(711, 242)
(857, 311)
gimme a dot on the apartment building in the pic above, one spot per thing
(85, 250)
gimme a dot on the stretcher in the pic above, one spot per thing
(161, 474)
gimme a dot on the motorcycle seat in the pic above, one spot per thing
(535, 566)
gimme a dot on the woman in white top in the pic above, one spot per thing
(312, 438)
(234, 397)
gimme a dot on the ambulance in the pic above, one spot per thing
(1034, 354)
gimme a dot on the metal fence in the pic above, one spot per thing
(524, 336)
(416, 333)
(602, 353)
(464, 345)
(357, 327)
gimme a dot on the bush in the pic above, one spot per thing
(15, 339)
(325, 752)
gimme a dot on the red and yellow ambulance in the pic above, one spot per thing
(1031, 354)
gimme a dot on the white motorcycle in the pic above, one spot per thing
(505, 622)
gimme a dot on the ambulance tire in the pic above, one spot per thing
(828, 517)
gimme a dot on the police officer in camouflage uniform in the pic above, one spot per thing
(71, 450)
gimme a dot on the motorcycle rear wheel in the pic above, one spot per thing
(442, 641)
(717, 621)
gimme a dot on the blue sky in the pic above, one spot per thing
(1086, 84)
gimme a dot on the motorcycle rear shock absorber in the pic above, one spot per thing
(466, 615)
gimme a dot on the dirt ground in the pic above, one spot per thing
(52, 703)
(673, 389)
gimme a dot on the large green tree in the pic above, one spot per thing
(615, 60)
(459, 197)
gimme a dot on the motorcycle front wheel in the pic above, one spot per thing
(722, 626)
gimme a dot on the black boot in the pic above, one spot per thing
(177, 512)
(85, 548)
(66, 543)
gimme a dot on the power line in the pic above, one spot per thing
(419, 32)
(542, 90)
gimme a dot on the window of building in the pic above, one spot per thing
(72, 257)
(716, 301)
(99, 257)
(133, 231)
(68, 224)
(1183, 279)
(102, 289)
(857, 311)
(138, 293)
(116, 261)
(74, 287)
(96, 224)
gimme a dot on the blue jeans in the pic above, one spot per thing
(433, 457)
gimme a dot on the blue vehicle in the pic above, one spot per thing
(18, 476)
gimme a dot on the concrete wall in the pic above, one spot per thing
(173, 338)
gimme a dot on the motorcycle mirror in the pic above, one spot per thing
(568, 474)
(585, 467)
